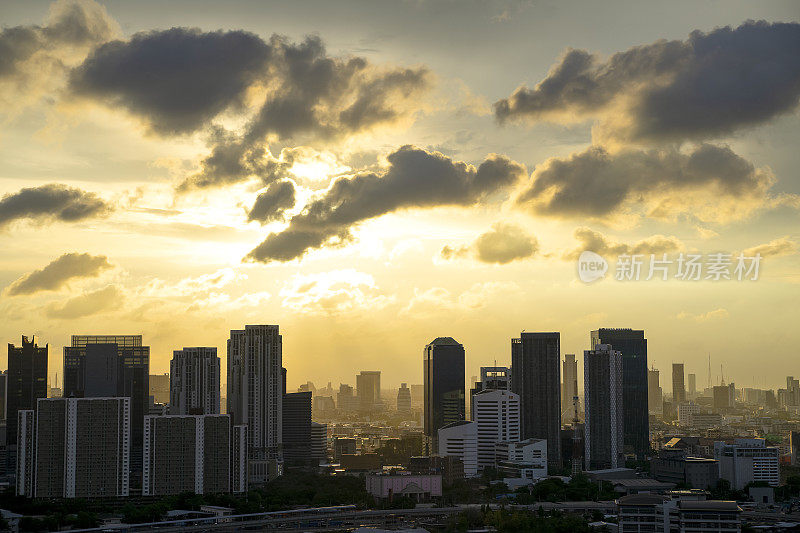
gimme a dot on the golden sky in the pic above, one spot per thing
(373, 175)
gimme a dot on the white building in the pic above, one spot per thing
(652, 512)
(255, 396)
(497, 414)
(194, 382)
(525, 459)
(686, 412)
(460, 439)
(319, 441)
(747, 460)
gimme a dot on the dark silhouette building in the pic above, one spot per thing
(633, 345)
(602, 370)
(297, 427)
(444, 391)
(26, 383)
(536, 377)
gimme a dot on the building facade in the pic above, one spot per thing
(404, 398)
(678, 384)
(296, 427)
(194, 382)
(26, 383)
(746, 461)
(603, 426)
(497, 415)
(444, 392)
(460, 440)
(368, 391)
(569, 388)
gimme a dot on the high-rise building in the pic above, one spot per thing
(255, 396)
(655, 397)
(27, 382)
(747, 461)
(297, 427)
(194, 382)
(346, 401)
(319, 442)
(102, 366)
(602, 386)
(497, 414)
(460, 440)
(443, 374)
(492, 378)
(536, 378)
(239, 470)
(569, 388)
(159, 388)
(404, 398)
(692, 382)
(633, 345)
(678, 387)
(368, 389)
(3, 392)
(186, 453)
(81, 448)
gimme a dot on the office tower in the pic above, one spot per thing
(724, 396)
(678, 387)
(536, 378)
(81, 448)
(368, 389)
(417, 396)
(159, 387)
(460, 440)
(492, 378)
(194, 382)
(569, 388)
(655, 400)
(319, 442)
(345, 399)
(692, 381)
(444, 394)
(186, 453)
(3, 392)
(239, 469)
(633, 345)
(497, 415)
(26, 381)
(255, 399)
(297, 427)
(101, 366)
(602, 386)
(404, 398)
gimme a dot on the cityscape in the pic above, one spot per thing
(408, 266)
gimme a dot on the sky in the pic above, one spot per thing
(372, 175)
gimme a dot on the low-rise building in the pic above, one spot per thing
(675, 466)
(651, 512)
(460, 439)
(418, 487)
(747, 460)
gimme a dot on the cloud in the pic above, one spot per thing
(706, 86)
(271, 204)
(59, 272)
(334, 292)
(716, 314)
(502, 244)
(774, 248)
(51, 202)
(89, 303)
(414, 178)
(598, 243)
(710, 183)
(437, 299)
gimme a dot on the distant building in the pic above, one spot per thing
(159, 387)
(418, 487)
(255, 396)
(633, 346)
(417, 396)
(497, 415)
(449, 467)
(525, 459)
(724, 396)
(3, 391)
(794, 447)
(460, 439)
(297, 427)
(443, 374)
(368, 388)
(603, 390)
(323, 405)
(692, 381)
(747, 460)
(346, 401)
(194, 382)
(569, 388)
(319, 442)
(536, 378)
(404, 398)
(674, 466)
(343, 446)
(678, 386)
(26, 383)
(686, 413)
(80, 448)
(655, 396)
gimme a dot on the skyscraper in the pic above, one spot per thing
(602, 386)
(255, 396)
(536, 378)
(655, 400)
(101, 366)
(404, 398)
(444, 394)
(692, 381)
(492, 378)
(26, 382)
(368, 389)
(296, 427)
(569, 388)
(633, 345)
(497, 414)
(194, 382)
(678, 386)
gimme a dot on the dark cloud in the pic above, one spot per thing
(502, 244)
(414, 178)
(52, 202)
(596, 183)
(271, 204)
(56, 274)
(706, 86)
(88, 303)
(70, 24)
(596, 242)
(176, 79)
